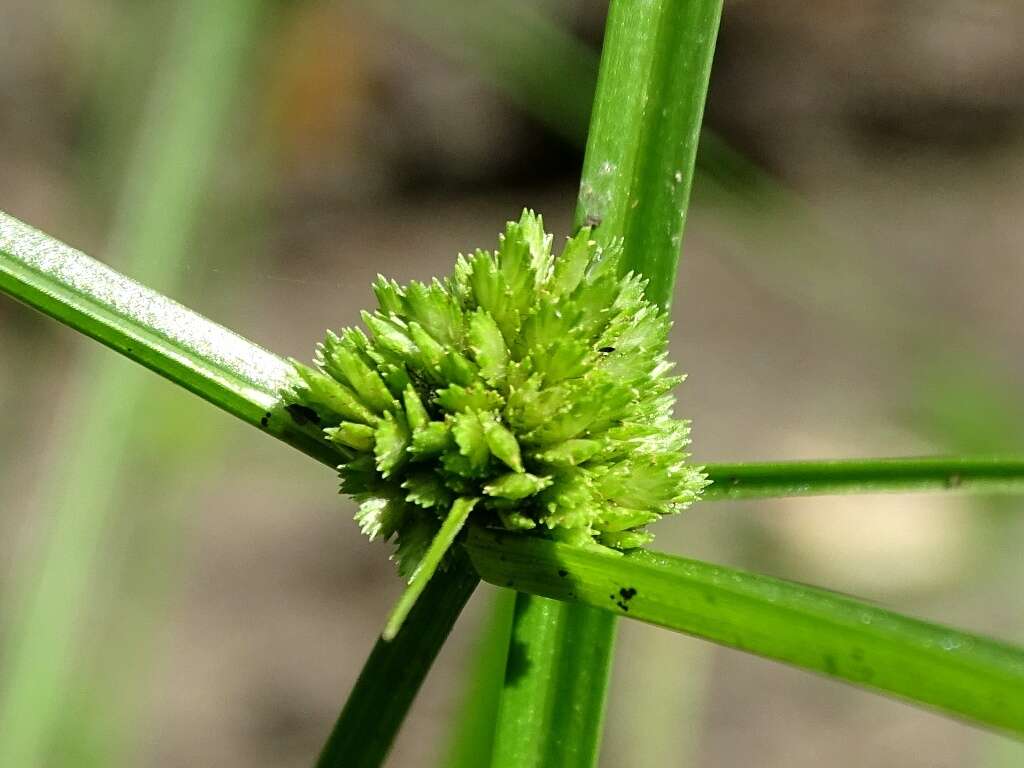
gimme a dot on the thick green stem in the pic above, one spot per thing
(471, 730)
(635, 186)
(556, 676)
(644, 131)
(953, 671)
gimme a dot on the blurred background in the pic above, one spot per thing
(177, 590)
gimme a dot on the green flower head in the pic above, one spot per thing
(528, 390)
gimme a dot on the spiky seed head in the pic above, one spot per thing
(536, 384)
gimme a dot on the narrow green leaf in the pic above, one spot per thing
(395, 670)
(175, 342)
(428, 565)
(897, 475)
(959, 673)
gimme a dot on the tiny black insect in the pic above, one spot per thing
(606, 350)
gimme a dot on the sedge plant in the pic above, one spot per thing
(513, 423)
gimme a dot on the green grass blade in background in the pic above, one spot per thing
(158, 207)
(392, 675)
(956, 672)
(815, 478)
(648, 106)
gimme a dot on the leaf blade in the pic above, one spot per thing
(955, 672)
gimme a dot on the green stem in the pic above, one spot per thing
(394, 672)
(816, 478)
(956, 672)
(556, 675)
(636, 180)
(471, 730)
(644, 131)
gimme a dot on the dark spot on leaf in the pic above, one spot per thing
(623, 606)
(627, 593)
(302, 415)
(562, 572)
(265, 420)
(611, 597)
(606, 350)
(517, 662)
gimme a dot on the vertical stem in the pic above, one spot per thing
(644, 130)
(556, 677)
(471, 737)
(636, 182)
